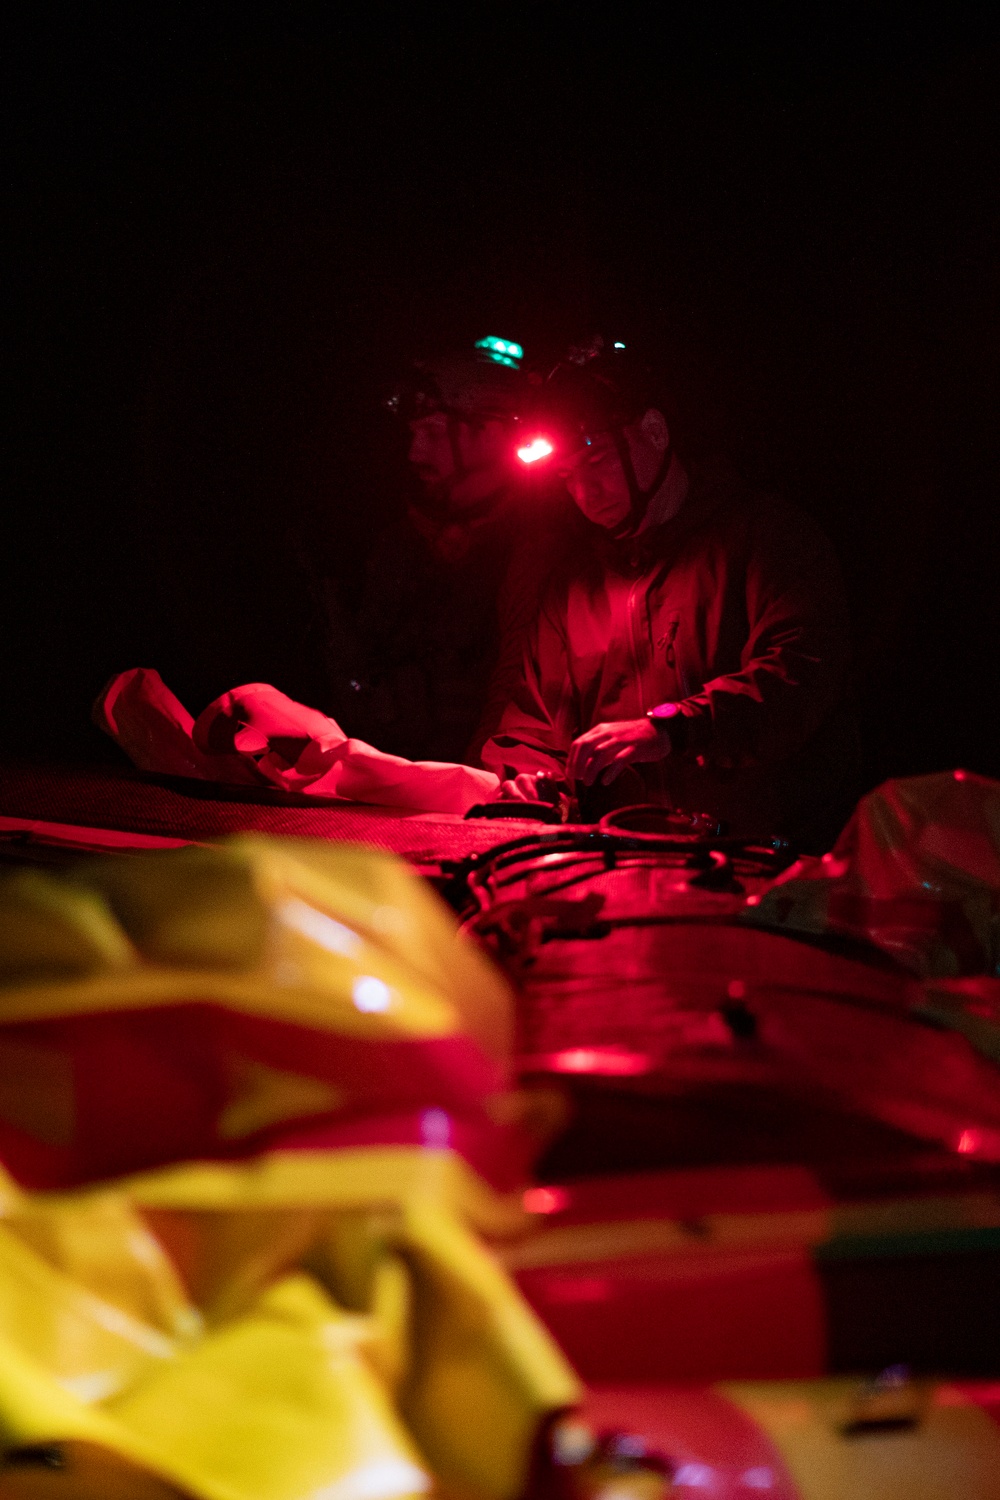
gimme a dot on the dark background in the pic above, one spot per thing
(228, 232)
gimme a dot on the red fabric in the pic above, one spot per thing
(256, 736)
(743, 1314)
(141, 714)
(134, 1089)
(916, 872)
(738, 1313)
(735, 610)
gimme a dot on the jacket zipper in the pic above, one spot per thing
(657, 768)
(640, 681)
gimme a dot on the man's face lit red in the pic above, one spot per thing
(596, 481)
(483, 454)
(594, 476)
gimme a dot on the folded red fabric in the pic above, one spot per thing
(257, 736)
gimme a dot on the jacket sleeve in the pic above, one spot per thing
(539, 722)
(794, 665)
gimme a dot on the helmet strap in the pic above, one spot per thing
(639, 497)
(458, 461)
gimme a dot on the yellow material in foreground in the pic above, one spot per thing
(401, 1352)
(279, 1404)
(275, 927)
(301, 1325)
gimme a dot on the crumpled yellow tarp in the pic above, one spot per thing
(282, 926)
(296, 1323)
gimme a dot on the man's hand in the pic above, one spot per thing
(604, 751)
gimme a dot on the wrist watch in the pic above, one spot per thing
(670, 724)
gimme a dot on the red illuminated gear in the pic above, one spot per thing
(471, 385)
(595, 388)
(538, 448)
(734, 610)
(598, 388)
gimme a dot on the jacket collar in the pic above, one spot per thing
(713, 485)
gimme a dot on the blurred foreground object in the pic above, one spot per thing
(254, 1108)
(257, 1113)
(848, 1439)
(256, 736)
(916, 872)
(783, 1157)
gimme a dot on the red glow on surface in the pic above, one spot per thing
(961, 1392)
(570, 1289)
(609, 1061)
(545, 1200)
(539, 447)
(961, 775)
(968, 1142)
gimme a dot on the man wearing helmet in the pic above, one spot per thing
(460, 409)
(694, 652)
(434, 654)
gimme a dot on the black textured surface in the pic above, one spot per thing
(126, 799)
(932, 1312)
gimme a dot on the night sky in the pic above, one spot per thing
(229, 233)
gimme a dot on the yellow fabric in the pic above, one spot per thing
(35, 1408)
(478, 1372)
(278, 1405)
(50, 929)
(335, 1179)
(484, 1370)
(93, 1347)
(421, 1318)
(281, 928)
(954, 1450)
(300, 1324)
(445, 1334)
(101, 1243)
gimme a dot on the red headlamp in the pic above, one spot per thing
(535, 450)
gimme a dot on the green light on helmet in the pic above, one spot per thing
(501, 351)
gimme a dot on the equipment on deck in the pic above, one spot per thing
(774, 1155)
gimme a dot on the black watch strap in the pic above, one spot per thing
(671, 722)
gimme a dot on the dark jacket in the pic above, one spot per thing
(735, 610)
(427, 666)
